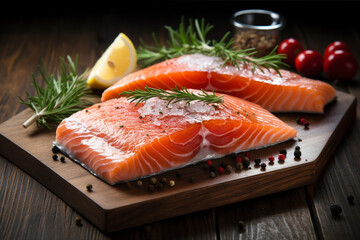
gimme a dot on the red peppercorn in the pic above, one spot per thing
(281, 157)
(209, 162)
(220, 170)
(238, 159)
(247, 154)
(271, 159)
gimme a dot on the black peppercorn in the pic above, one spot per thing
(178, 174)
(62, 159)
(192, 179)
(78, 221)
(241, 225)
(212, 175)
(297, 153)
(245, 163)
(55, 157)
(257, 162)
(350, 199)
(335, 210)
(55, 149)
(212, 168)
(89, 187)
(283, 151)
(297, 148)
(263, 166)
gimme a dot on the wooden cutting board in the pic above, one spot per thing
(113, 208)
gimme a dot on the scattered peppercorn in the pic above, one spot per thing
(78, 221)
(178, 174)
(239, 159)
(121, 126)
(241, 225)
(297, 153)
(239, 166)
(247, 154)
(304, 122)
(271, 159)
(350, 199)
(223, 165)
(281, 157)
(89, 187)
(55, 149)
(192, 179)
(212, 168)
(171, 183)
(160, 186)
(140, 117)
(151, 188)
(62, 159)
(283, 151)
(297, 148)
(212, 174)
(153, 180)
(246, 163)
(220, 170)
(263, 166)
(209, 162)
(257, 162)
(163, 180)
(233, 156)
(86, 110)
(117, 107)
(335, 210)
(229, 168)
(55, 157)
(206, 166)
(139, 183)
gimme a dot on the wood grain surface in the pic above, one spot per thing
(28, 210)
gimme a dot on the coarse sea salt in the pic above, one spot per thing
(195, 111)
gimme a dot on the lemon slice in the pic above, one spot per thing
(118, 60)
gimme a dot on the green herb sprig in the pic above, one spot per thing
(192, 39)
(61, 96)
(172, 96)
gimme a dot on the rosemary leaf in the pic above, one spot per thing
(192, 39)
(172, 96)
(61, 96)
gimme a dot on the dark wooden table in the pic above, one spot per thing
(30, 211)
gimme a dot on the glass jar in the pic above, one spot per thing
(258, 29)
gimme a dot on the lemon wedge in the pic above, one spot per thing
(118, 60)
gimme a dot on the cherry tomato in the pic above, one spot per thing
(291, 47)
(340, 65)
(337, 45)
(309, 63)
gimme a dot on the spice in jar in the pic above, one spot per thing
(263, 43)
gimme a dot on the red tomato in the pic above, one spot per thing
(291, 47)
(309, 63)
(340, 65)
(337, 45)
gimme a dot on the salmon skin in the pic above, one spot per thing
(289, 92)
(118, 141)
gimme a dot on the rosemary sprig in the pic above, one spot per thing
(172, 96)
(192, 39)
(61, 96)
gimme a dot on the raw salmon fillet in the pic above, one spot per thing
(289, 92)
(118, 141)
